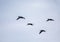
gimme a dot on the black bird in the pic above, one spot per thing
(41, 31)
(20, 17)
(50, 20)
(30, 24)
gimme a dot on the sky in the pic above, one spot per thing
(36, 12)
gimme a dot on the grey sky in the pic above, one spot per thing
(36, 12)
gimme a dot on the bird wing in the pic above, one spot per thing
(17, 18)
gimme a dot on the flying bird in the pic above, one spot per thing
(30, 24)
(20, 17)
(41, 31)
(50, 20)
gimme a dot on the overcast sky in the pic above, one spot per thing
(36, 12)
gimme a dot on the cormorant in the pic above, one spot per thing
(20, 17)
(30, 24)
(41, 31)
(50, 20)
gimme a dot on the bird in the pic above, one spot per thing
(50, 20)
(20, 17)
(30, 24)
(41, 31)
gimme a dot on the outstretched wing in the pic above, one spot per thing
(18, 18)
